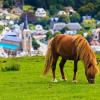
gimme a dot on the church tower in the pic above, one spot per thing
(27, 41)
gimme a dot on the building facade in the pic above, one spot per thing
(27, 41)
(1, 3)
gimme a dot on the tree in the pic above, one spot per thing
(97, 16)
(8, 3)
(84, 7)
(70, 3)
(89, 24)
(75, 17)
(53, 9)
(28, 8)
(49, 35)
(35, 44)
(64, 19)
(87, 9)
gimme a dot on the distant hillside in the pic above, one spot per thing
(84, 7)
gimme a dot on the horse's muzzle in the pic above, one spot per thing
(91, 81)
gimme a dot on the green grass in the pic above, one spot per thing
(29, 83)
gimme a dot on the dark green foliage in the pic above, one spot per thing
(97, 16)
(56, 33)
(84, 7)
(48, 35)
(70, 2)
(53, 9)
(75, 17)
(10, 67)
(42, 21)
(35, 44)
(64, 30)
(1, 27)
(8, 3)
(87, 9)
(31, 26)
(81, 31)
(64, 19)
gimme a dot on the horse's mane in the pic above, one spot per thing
(85, 53)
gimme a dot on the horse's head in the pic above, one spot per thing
(90, 72)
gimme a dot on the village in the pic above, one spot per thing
(26, 33)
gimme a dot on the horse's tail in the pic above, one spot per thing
(48, 58)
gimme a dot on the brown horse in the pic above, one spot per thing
(71, 48)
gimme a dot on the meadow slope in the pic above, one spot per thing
(29, 83)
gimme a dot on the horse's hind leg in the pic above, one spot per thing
(61, 68)
(54, 67)
(75, 70)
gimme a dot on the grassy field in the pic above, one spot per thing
(29, 83)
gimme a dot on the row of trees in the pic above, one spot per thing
(8, 3)
(84, 7)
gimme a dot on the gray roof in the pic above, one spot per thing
(59, 26)
(11, 38)
(15, 32)
(73, 26)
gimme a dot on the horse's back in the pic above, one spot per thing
(64, 46)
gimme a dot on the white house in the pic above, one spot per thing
(39, 30)
(96, 34)
(16, 11)
(40, 12)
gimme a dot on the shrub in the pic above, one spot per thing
(53, 9)
(64, 19)
(10, 67)
(1, 28)
(81, 31)
(35, 44)
(75, 17)
(27, 8)
(87, 9)
(42, 21)
(97, 16)
(48, 35)
(8, 3)
(57, 33)
(64, 30)
(89, 24)
(31, 27)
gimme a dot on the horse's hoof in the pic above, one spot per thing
(63, 79)
(55, 81)
(74, 81)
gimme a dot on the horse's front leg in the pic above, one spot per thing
(61, 68)
(75, 70)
